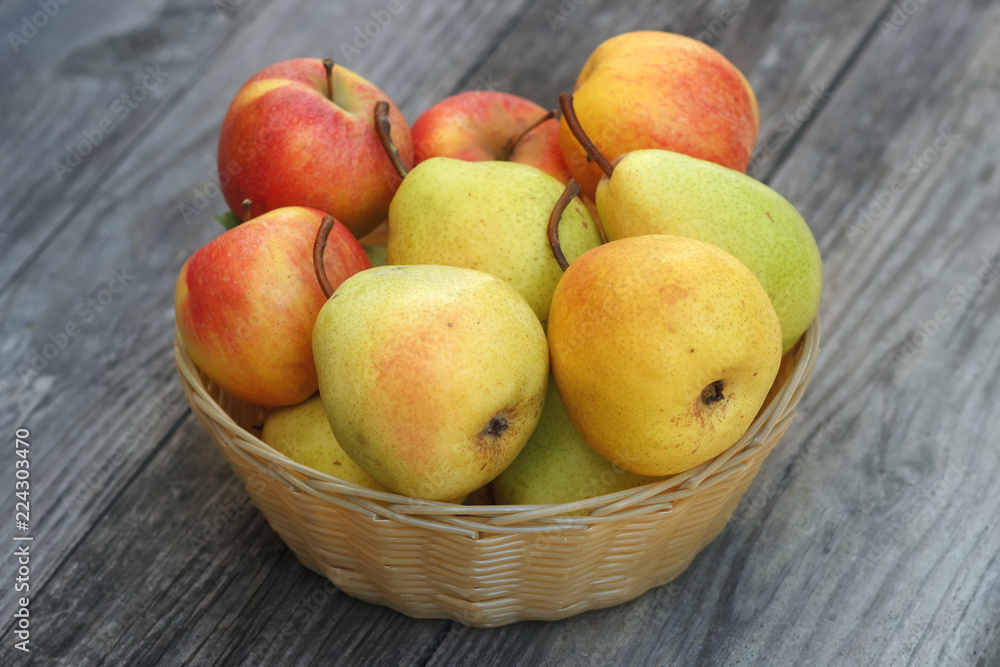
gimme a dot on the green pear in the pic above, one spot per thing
(490, 216)
(302, 433)
(661, 192)
(557, 466)
(432, 377)
(376, 254)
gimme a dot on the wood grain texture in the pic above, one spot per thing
(96, 403)
(90, 83)
(791, 52)
(866, 538)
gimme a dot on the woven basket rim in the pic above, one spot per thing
(473, 520)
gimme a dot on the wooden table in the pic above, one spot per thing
(866, 538)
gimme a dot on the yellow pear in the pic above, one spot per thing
(663, 349)
(302, 433)
(652, 89)
(432, 377)
(557, 466)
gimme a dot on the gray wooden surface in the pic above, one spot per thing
(869, 536)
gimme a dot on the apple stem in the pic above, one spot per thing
(572, 190)
(384, 131)
(513, 142)
(321, 236)
(566, 104)
(246, 210)
(328, 66)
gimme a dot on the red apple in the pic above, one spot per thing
(286, 141)
(480, 126)
(246, 303)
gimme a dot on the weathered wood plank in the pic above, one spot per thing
(912, 393)
(866, 539)
(91, 407)
(804, 569)
(790, 51)
(184, 570)
(90, 82)
(198, 141)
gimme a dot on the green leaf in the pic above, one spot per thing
(228, 220)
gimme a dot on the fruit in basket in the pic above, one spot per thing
(663, 349)
(557, 466)
(663, 192)
(433, 377)
(246, 302)
(485, 125)
(653, 89)
(489, 216)
(289, 138)
(302, 433)
(660, 192)
(376, 254)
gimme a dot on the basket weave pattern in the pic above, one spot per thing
(491, 565)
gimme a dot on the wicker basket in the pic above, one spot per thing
(492, 565)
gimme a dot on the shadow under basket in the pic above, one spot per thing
(490, 565)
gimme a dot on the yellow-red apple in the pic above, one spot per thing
(660, 90)
(289, 140)
(246, 303)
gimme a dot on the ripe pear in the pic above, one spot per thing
(557, 466)
(490, 216)
(302, 433)
(432, 377)
(661, 192)
(663, 349)
(651, 89)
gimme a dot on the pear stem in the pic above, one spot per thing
(321, 236)
(246, 210)
(566, 104)
(512, 144)
(384, 131)
(572, 190)
(328, 66)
